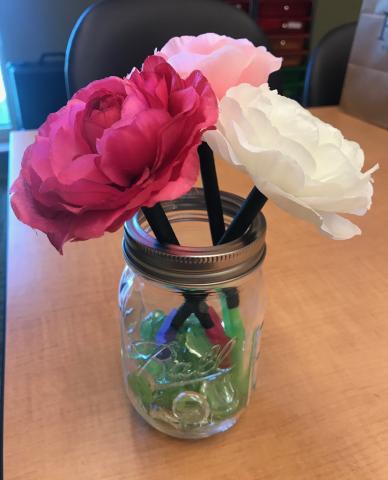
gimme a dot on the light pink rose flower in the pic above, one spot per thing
(224, 61)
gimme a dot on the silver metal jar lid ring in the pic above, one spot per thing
(194, 266)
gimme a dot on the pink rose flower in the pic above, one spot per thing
(118, 145)
(225, 61)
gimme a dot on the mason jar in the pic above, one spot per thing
(191, 319)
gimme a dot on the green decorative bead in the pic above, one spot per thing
(142, 351)
(191, 409)
(140, 388)
(156, 369)
(165, 416)
(222, 396)
(163, 398)
(197, 342)
(151, 324)
(191, 321)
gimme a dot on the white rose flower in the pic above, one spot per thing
(302, 164)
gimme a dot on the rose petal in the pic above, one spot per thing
(224, 61)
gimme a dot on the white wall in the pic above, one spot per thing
(330, 14)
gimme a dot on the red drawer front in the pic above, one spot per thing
(283, 8)
(285, 44)
(278, 25)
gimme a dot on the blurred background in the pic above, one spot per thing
(34, 34)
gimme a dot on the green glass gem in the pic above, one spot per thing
(163, 415)
(156, 369)
(191, 409)
(197, 342)
(140, 388)
(142, 351)
(191, 321)
(222, 397)
(151, 324)
(180, 338)
(163, 397)
(145, 355)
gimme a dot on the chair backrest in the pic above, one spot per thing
(112, 36)
(327, 67)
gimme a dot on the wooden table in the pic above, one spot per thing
(321, 408)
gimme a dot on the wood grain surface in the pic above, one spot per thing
(321, 407)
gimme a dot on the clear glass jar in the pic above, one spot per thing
(191, 320)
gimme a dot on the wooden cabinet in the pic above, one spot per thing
(287, 25)
(285, 8)
(283, 25)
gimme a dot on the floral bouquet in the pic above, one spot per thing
(120, 147)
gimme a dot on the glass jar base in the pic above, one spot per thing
(190, 434)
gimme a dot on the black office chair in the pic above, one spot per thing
(112, 36)
(327, 67)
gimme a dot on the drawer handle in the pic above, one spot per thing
(293, 25)
(286, 7)
(283, 42)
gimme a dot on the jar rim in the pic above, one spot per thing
(185, 266)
